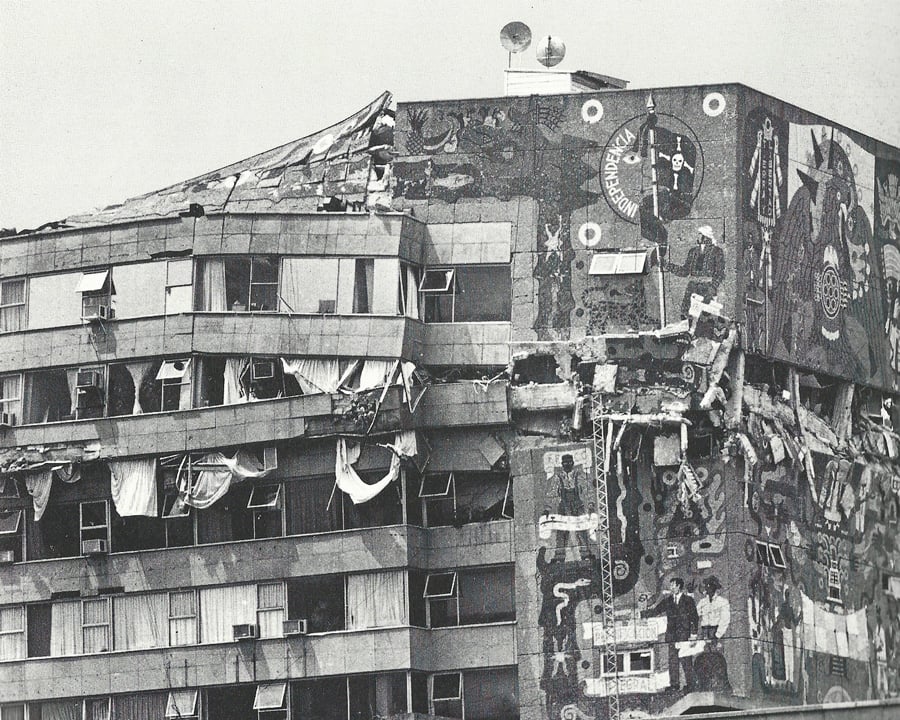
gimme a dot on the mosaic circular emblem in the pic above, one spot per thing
(592, 111)
(714, 104)
(589, 234)
(831, 292)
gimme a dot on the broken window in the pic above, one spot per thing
(818, 394)
(248, 511)
(174, 378)
(318, 599)
(90, 392)
(94, 523)
(466, 293)
(178, 286)
(539, 369)
(251, 283)
(50, 395)
(377, 696)
(10, 399)
(12, 305)
(136, 532)
(97, 291)
(457, 498)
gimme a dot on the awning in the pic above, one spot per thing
(182, 703)
(173, 369)
(269, 696)
(630, 262)
(92, 281)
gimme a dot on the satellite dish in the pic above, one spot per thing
(515, 37)
(550, 51)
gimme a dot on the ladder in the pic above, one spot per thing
(609, 668)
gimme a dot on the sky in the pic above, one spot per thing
(101, 101)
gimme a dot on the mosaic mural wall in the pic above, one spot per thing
(819, 252)
(631, 171)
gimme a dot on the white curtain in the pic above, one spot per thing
(376, 373)
(12, 632)
(212, 483)
(137, 370)
(96, 636)
(412, 292)
(133, 484)
(65, 628)
(223, 607)
(376, 600)
(270, 614)
(314, 375)
(140, 621)
(38, 484)
(212, 281)
(72, 381)
(185, 398)
(351, 483)
(61, 710)
(234, 392)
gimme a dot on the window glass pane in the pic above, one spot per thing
(319, 699)
(265, 269)
(437, 280)
(440, 584)
(237, 283)
(181, 703)
(93, 514)
(487, 595)
(446, 686)
(491, 694)
(641, 661)
(438, 308)
(309, 282)
(483, 293)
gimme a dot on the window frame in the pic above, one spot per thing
(194, 603)
(426, 499)
(623, 663)
(14, 539)
(21, 630)
(275, 509)
(459, 698)
(93, 529)
(108, 624)
(172, 703)
(273, 609)
(103, 296)
(24, 304)
(450, 600)
(178, 381)
(276, 260)
(5, 402)
(170, 286)
(451, 288)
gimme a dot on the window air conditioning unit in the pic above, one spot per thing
(244, 632)
(87, 379)
(294, 627)
(93, 547)
(99, 312)
(8, 557)
(262, 370)
(7, 419)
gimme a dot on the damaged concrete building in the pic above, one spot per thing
(553, 406)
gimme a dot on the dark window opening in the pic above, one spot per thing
(48, 397)
(318, 599)
(536, 369)
(231, 703)
(319, 699)
(373, 697)
(12, 531)
(39, 625)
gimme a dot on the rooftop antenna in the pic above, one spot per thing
(550, 51)
(515, 37)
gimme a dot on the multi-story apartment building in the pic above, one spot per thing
(552, 406)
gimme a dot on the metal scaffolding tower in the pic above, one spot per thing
(603, 439)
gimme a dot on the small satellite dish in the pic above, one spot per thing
(550, 51)
(515, 37)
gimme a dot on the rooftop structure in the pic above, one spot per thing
(547, 407)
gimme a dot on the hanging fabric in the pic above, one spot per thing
(38, 483)
(214, 478)
(212, 285)
(137, 370)
(350, 482)
(234, 391)
(133, 484)
(314, 375)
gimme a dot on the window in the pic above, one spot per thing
(634, 662)
(182, 617)
(174, 378)
(94, 521)
(318, 599)
(834, 583)
(408, 301)
(491, 694)
(11, 534)
(49, 396)
(90, 392)
(457, 498)
(96, 708)
(178, 521)
(446, 695)
(40, 625)
(621, 262)
(182, 704)
(270, 701)
(377, 696)
(10, 399)
(442, 601)
(95, 625)
(769, 554)
(97, 290)
(12, 305)
(12, 712)
(467, 293)
(12, 632)
(178, 286)
(251, 283)
(270, 609)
